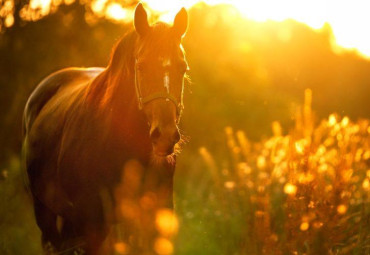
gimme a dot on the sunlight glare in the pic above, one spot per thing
(98, 6)
(42, 5)
(9, 20)
(116, 12)
(348, 19)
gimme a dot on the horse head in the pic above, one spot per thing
(160, 67)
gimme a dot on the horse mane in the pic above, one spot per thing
(120, 70)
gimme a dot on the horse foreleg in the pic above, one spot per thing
(47, 222)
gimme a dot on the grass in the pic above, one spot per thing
(304, 192)
(19, 233)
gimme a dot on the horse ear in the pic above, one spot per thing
(180, 24)
(141, 20)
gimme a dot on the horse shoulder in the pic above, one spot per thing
(50, 86)
(44, 123)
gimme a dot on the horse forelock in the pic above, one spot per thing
(160, 41)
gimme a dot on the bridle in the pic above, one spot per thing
(159, 95)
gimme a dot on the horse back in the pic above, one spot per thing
(50, 86)
(43, 126)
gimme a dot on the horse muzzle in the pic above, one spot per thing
(164, 140)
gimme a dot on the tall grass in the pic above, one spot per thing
(301, 192)
(18, 231)
(306, 192)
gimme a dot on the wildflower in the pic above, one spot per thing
(321, 150)
(300, 146)
(148, 201)
(366, 155)
(225, 172)
(229, 185)
(276, 128)
(274, 238)
(345, 121)
(163, 246)
(347, 174)
(261, 162)
(244, 168)
(332, 120)
(366, 184)
(305, 178)
(263, 175)
(121, 248)
(311, 204)
(290, 189)
(166, 222)
(358, 155)
(318, 224)
(328, 188)
(304, 226)
(341, 209)
(260, 189)
(259, 214)
(323, 168)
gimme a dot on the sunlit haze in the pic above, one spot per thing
(348, 19)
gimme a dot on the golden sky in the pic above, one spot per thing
(349, 19)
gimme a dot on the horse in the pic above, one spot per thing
(88, 131)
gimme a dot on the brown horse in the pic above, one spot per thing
(82, 127)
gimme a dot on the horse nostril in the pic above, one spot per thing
(155, 134)
(176, 137)
(169, 151)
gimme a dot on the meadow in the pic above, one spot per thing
(303, 192)
(277, 122)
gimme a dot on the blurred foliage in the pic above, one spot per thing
(249, 73)
(19, 232)
(302, 193)
(244, 74)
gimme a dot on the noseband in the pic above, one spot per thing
(158, 95)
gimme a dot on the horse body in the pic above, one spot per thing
(70, 154)
(82, 127)
(46, 117)
(76, 149)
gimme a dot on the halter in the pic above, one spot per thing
(158, 95)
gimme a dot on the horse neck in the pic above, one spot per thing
(113, 89)
(122, 101)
